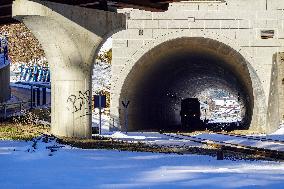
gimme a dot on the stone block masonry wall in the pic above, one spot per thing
(240, 24)
(244, 24)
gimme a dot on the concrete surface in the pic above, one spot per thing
(70, 37)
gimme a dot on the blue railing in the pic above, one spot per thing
(34, 73)
(4, 59)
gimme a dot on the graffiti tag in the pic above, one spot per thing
(79, 102)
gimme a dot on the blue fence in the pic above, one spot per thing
(34, 73)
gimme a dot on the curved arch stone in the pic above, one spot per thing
(219, 43)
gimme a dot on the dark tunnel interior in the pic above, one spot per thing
(181, 69)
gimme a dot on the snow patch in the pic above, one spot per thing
(122, 136)
(280, 131)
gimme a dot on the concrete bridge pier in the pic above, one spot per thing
(70, 37)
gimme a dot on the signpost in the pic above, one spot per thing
(125, 104)
(100, 102)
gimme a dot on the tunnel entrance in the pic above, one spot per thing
(184, 68)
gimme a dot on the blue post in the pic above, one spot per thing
(21, 69)
(35, 73)
(5, 54)
(41, 73)
(38, 96)
(32, 96)
(44, 74)
(47, 76)
(25, 73)
(43, 96)
(30, 74)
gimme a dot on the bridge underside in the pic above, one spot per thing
(179, 69)
(106, 5)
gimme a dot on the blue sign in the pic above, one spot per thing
(100, 101)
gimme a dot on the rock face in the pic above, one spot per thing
(23, 46)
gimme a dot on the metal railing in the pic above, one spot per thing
(11, 108)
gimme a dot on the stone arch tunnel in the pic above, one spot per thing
(178, 69)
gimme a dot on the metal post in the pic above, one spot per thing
(220, 155)
(25, 74)
(47, 79)
(21, 107)
(100, 113)
(5, 54)
(40, 74)
(125, 104)
(126, 119)
(5, 111)
(32, 97)
(22, 72)
(35, 73)
(43, 96)
(38, 96)
(30, 74)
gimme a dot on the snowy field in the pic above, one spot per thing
(22, 166)
(50, 165)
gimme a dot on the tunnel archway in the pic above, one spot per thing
(178, 69)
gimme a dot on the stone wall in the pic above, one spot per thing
(253, 28)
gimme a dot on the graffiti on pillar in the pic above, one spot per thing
(81, 101)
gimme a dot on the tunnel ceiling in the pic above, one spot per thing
(179, 69)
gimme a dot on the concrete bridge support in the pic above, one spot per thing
(70, 37)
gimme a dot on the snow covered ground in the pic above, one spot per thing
(22, 166)
(106, 121)
(163, 140)
(245, 142)
(151, 138)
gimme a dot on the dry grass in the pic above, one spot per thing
(237, 132)
(25, 127)
(245, 132)
(10, 131)
(110, 144)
